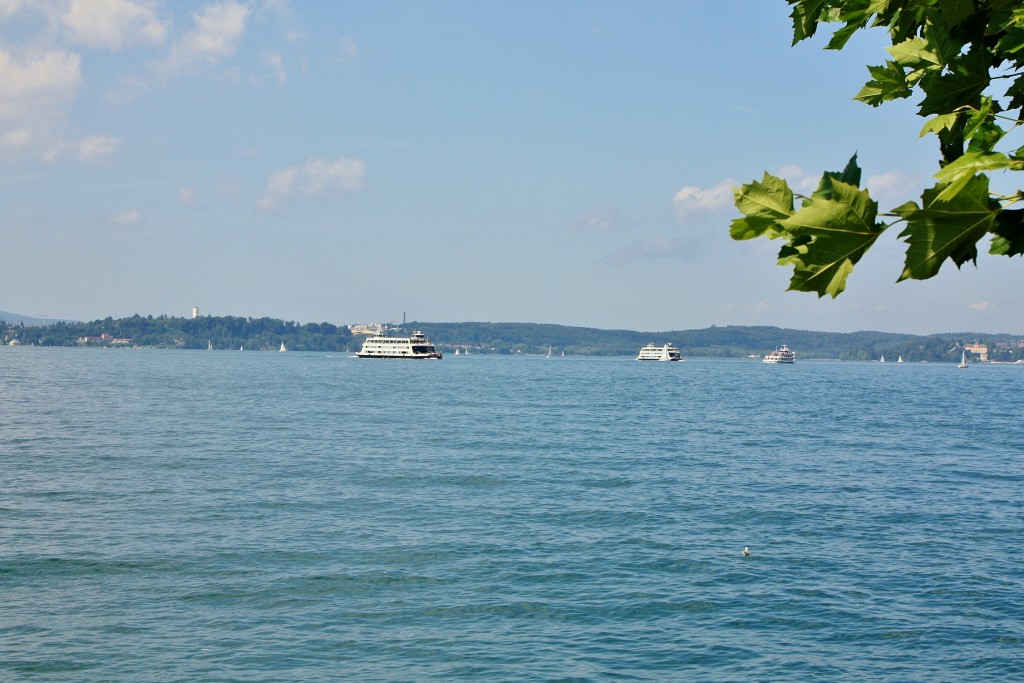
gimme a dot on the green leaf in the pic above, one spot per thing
(946, 47)
(981, 127)
(840, 229)
(790, 253)
(947, 92)
(849, 175)
(1009, 233)
(944, 229)
(939, 123)
(957, 174)
(855, 14)
(806, 14)
(763, 205)
(915, 53)
(1012, 41)
(954, 12)
(754, 226)
(842, 36)
(889, 82)
(1016, 94)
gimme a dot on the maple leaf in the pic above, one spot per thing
(831, 234)
(764, 204)
(946, 228)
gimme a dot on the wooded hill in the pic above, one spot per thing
(223, 332)
(231, 333)
(731, 341)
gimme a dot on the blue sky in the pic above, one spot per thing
(564, 162)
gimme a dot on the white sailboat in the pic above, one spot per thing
(209, 345)
(900, 359)
(963, 360)
(549, 351)
(456, 352)
(283, 348)
(882, 359)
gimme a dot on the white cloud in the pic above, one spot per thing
(8, 8)
(790, 171)
(691, 201)
(347, 50)
(186, 196)
(19, 138)
(315, 177)
(96, 147)
(127, 216)
(799, 182)
(229, 188)
(113, 23)
(276, 63)
(281, 10)
(218, 31)
(598, 220)
(341, 175)
(894, 186)
(36, 89)
(279, 187)
(38, 82)
(982, 307)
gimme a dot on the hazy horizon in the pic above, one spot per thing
(8, 315)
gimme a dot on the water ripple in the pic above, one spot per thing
(179, 516)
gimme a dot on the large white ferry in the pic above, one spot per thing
(783, 354)
(664, 352)
(416, 346)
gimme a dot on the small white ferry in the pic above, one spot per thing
(415, 346)
(783, 354)
(663, 352)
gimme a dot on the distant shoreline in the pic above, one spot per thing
(234, 333)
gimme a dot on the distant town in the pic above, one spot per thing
(232, 333)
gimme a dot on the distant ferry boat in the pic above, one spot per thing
(416, 346)
(664, 352)
(780, 355)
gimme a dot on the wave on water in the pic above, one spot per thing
(182, 516)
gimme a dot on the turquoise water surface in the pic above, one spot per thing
(225, 516)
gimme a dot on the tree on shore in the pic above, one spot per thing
(967, 59)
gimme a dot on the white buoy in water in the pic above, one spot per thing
(746, 551)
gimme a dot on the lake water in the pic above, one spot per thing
(226, 516)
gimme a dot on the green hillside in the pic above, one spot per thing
(232, 333)
(725, 342)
